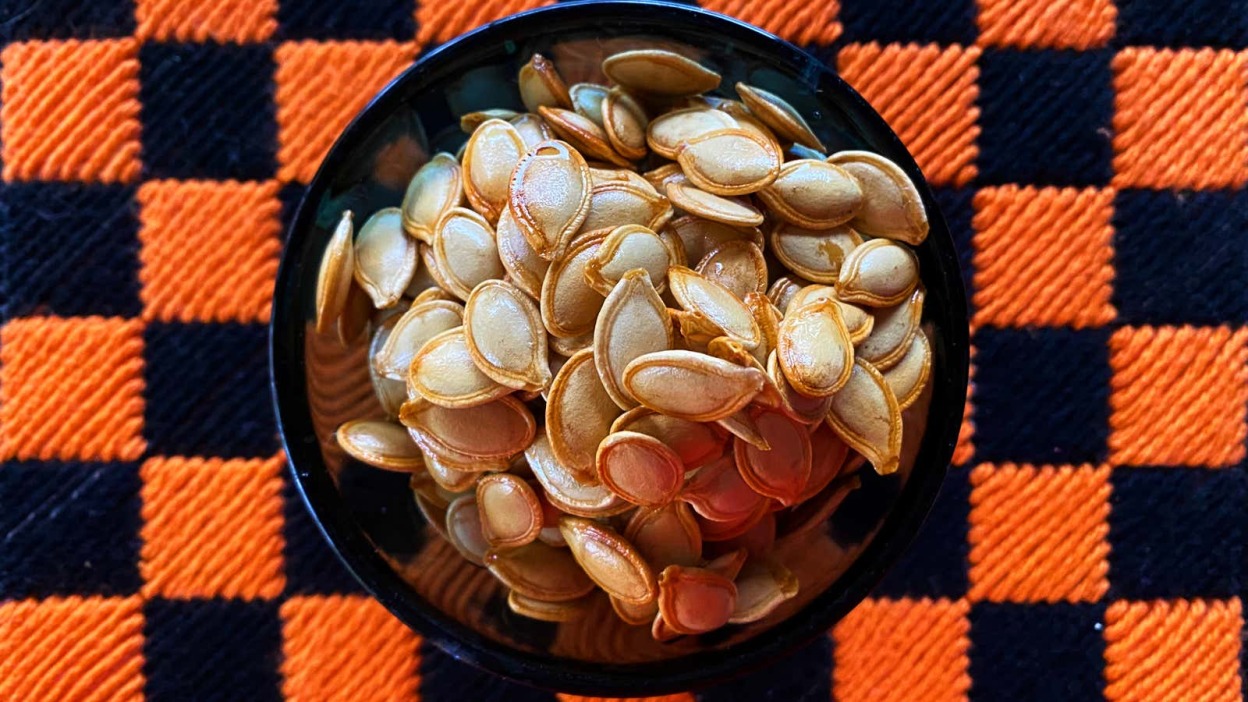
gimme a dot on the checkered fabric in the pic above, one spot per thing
(1090, 156)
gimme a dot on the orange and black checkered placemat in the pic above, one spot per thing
(1090, 155)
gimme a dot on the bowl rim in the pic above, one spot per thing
(287, 383)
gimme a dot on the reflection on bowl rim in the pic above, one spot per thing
(288, 382)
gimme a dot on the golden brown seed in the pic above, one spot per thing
(437, 187)
(633, 322)
(768, 318)
(355, 315)
(565, 348)
(866, 415)
(391, 393)
(701, 236)
(696, 330)
(498, 429)
(526, 268)
(382, 445)
(695, 442)
(691, 385)
(828, 453)
(808, 410)
(716, 303)
(626, 248)
(540, 572)
(778, 114)
(784, 289)
(814, 350)
(450, 477)
(429, 292)
(813, 195)
(505, 336)
(908, 378)
(610, 561)
(742, 426)
(731, 211)
(463, 529)
(636, 615)
(891, 333)
(718, 493)
(737, 265)
(550, 197)
(729, 161)
(385, 257)
(564, 489)
(659, 72)
(780, 473)
(511, 514)
(587, 100)
(625, 124)
(583, 134)
(411, 331)
(639, 468)
(666, 535)
(490, 156)
(750, 123)
(469, 122)
(579, 413)
(695, 600)
(658, 177)
(617, 203)
(540, 85)
(443, 373)
(858, 322)
(569, 306)
(762, 586)
(813, 254)
(464, 248)
(532, 129)
(549, 611)
(676, 255)
(333, 281)
(879, 273)
(892, 207)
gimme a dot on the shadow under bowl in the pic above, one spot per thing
(368, 516)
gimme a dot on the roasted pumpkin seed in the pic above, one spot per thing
(511, 515)
(633, 322)
(564, 488)
(583, 134)
(628, 247)
(464, 248)
(639, 468)
(610, 561)
(636, 615)
(828, 453)
(625, 124)
(579, 413)
(470, 121)
(808, 410)
(443, 372)
(695, 600)
(413, 329)
(731, 211)
(891, 333)
(437, 187)
(505, 336)
(697, 293)
(879, 273)
(659, 72)
(382, 445)
(718, 493)
(778, 114)
(540, 572)
(813, 195)
(695, 442)
(892, 207)
(490, 156)
(385, 257)
(762, 587)
(569, 306)
(497, 429)
(550, 197)
(737, 265)
(729, 161)
(813, 254)
(691, 385)
(549, 611)
(908, 378)
(587, 100)
(540, 85)
(701, 236)
(333, 280)
(532, 129)
(814, 350)
(866, 415)
(621, 202)
(463, 529)
(782, 472)
(666, 535)
(526, 268)
(783, 290)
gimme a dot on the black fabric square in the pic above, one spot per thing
(1179, 257)
(935, 564)
(69, 250)
(22, 20)
(312, 568)
(69, 529)
(1045, 117)
(208, 111)
(1177, 532)
(363, 19)
(212, 651)
(1037, 652)
(1176, 23)
(1041, 395)
(207, 391)
(905, 21)
(956, 206)
(289, 195)
(444, 679)
(803, 676)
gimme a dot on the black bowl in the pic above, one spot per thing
(368, 516)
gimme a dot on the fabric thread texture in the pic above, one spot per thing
(1090, 156)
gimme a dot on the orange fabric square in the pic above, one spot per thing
(902, 650)
(1046, 24)
(1178, 396)
(70, 110)
(212, 528)
(965, 447)
(442, 21)
(196, 21)
(84, 649)
(347, 648)
(71, 389)
(209, 250)
(799, 22)
(1179, 650)
(927, 95)
(321, 86)
(1039, 534)
(1180, 118)
(1043, 256)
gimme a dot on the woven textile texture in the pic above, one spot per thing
(1091, 158)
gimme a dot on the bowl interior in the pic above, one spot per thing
(369, 515)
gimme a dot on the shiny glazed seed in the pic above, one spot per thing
(437, 187)
(731, 211)
(579, 413)
(490, 156)
(716, 303)
(639, 468)
(550, 197)
(540, 85)
(866, 416)
(878, 274)
(737, 265)
(729, 161)
(609, 560)
(691, 385)
(659, 72)
(891, 333)
(382, 445)
(781, 472)
(464, 248)
(625, 124)
(633, 322)
(695, 600)
(908, 378)
(666, 535)
(505, 336)
(511, 514)
(892, 207)
(497, 429)
(622, 202)
(540, 572)
(333, 281)
(813, 195)
(526, 268)
(583, 134)
(444, 373)
(385, 257)
(565, 490)
(813, 254)
(569, 306)
(628, 247)
(413, 329)
(695, 442)
(778, 114)
(814, 350)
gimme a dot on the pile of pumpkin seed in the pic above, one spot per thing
(630, 338)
